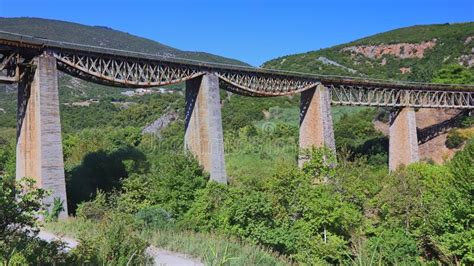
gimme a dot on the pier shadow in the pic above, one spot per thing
(428, 133)
(103, 171)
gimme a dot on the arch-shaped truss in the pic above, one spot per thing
(251, 84)
(130, 69)
(125, 71)
(141, 73)
(393, 97)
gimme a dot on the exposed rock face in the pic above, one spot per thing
(405, 70)
(467, 60)
(469, 39)
(400, 50)
(161, 123)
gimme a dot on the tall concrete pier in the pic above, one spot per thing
(403, 140)
(316, 129)
(203, 136)
(39, 148)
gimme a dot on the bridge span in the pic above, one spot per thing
(33, 62)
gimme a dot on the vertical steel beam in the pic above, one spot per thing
(203, 136)
(39, 147)
(316, 129)
(403, 139)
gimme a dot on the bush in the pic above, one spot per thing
(393, 247)
(117, 241)
(172, 187)
(94, 210)
(454, 140)
(20, 204)
(154, 218)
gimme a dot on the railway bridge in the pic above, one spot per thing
(33, 64)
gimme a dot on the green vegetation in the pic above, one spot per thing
(316, 215)
(212, 249)
(454, 140)
(20, 203)
(451, 43)
(454, 74)
(123, 183)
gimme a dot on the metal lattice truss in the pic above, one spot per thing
(392, 97)
(125, 71)
(128, 69)
(253, 84)
(9, 63)
(140, 73)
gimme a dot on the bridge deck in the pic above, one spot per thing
(12, 41)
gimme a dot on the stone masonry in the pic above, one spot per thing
(403, 140)
(203, 135)
(39, 146)
(316, 129)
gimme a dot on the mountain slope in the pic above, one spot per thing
(100, 36)
(413, 53)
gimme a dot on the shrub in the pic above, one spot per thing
(454, 140)
(172, 187)
(154, 218)
(57, 208)
(20, 204)
(94, 210)
(393, 247)
(117, 242)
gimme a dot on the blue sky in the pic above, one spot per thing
(253, 31)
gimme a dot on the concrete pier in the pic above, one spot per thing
(316, 129)
(39, 147)
(403, 142)
(203, 135)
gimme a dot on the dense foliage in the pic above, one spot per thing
(20, 204)
(451, 43)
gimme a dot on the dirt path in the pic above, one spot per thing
(160, 256)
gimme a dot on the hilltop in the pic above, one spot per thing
(413, 53)
(101, 36)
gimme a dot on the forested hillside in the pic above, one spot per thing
(413, 53)
(128, 189)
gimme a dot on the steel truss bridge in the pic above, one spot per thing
(130, 69)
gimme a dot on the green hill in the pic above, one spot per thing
(100, 36)
(76, 90)
(414, 53)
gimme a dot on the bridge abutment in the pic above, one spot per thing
(403, 140)
(203, 135)
(39, 153)
(316, 129)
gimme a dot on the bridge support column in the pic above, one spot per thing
(316, 128)
(204, 137)
(39, 153)
(403, 140)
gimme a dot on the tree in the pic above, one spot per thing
(20, 205)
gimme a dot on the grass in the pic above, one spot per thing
(216, 250)
(211, 249)
(240, 166)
